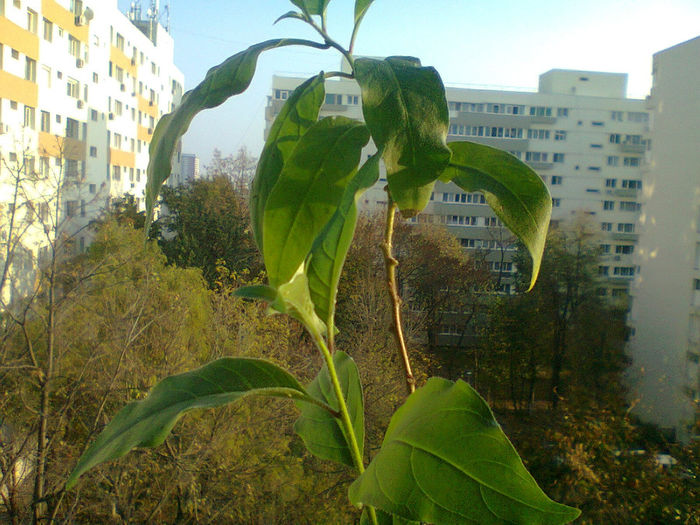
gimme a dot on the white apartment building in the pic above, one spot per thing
(579, 131)
(81, 88)
(665, 310)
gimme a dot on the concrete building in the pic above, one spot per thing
(665, 311)
(189, 170)
(579, 131)
(81, 88)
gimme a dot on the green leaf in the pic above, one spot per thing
(313, 7)
(322, 433)
(308, 192)
(361, 7)
(406, 111)
(231, 77)
(148, 422)
(444, 459)
(331, 246)
(290, 14)
(297, 115)
(515, 192)
(257, 291)
(295, 300)
(384, 519)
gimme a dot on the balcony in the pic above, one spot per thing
(627, 193)
(541, 119)
(334, 108)
(537, 165)
(627, 147)
(619, 236)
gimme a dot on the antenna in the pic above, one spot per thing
(165, 16)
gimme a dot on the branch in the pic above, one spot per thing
(390, 263)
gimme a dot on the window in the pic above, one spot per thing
(467, 243)
(536, 156)
(562, 112)
(541, 134)
(32, 19)
(614, 138)
(92, 188)
(93, 115)
(117, 141)
(624, 271)
(558, 157)
(73, 46)
(556, 180)
(625, 249)
(13, 104)
(632, 184)
(541, 111)
(120, 42)
(73, 88)
(625, 227)
(46, 121)
(560, 134)
(609, 205)
(46, 76)
(72, 128)
(76, 7)
(15, 54)
(606, 226)
(332, 98)
(48, 30)
(616, 115)
(118, 108)
(119, 74)
(93, 151)
(556, 203)
(603, 270)
(613, 160)
(116, 173)
(619, 292)
(72, 168)
(492, 221)
(637, 116)
(631, 162)
(71, 208)
(629, 206)
(596, 146)
(30, 69)
(353, 99)
(29, 117)
(597, 123)
(610, 183)
(604, 248)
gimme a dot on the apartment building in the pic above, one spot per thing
(665, 309)
(81, 88)
(579, 131)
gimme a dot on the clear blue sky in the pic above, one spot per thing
(471, 42)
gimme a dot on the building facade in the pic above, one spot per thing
(81, 88)
(579, 131)
(665, 310)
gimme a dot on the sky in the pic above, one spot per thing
(499, 44)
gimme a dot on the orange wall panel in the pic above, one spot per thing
(19, 38)
(18, 89)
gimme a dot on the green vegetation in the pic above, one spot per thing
(82, 359)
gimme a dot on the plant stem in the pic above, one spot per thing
(390, 264)
(344, 414)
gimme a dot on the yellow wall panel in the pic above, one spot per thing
(62, 147)
(18, 89)
(145, 107)
(122, 158)
(118, 57)
(62, 17)
(19, 38)
(143, 134)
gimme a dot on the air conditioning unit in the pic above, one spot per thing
(79, 62)
(80, 20)
(150, 131)
(133, 61)
(111, 116)
(122, 87)
(81, 104)
(150, 102)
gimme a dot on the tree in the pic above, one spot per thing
(204, 224)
